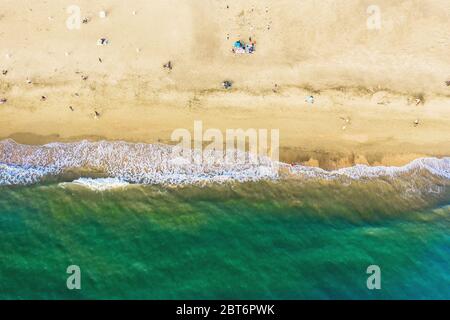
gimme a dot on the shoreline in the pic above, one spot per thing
(365, 82)
(150, 164)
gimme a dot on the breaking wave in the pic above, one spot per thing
(434, 166)
(99, 184)
(130, 162)
(124, 163)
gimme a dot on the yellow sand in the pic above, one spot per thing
(322, 48)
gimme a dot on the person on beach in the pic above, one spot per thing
(168, 65)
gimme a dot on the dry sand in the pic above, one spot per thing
(319, 48)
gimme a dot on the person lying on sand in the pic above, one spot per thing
(347, 120)
(102, 42)
(275, 88)
(227, 84)
(310, 99)
(168, 65)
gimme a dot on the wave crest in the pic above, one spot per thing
(99, 184)
(141, 163)
(130, 162)
(435, 166)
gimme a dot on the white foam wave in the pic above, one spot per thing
(130, 162)
(435, 166)
(14, 174)
(99, 184)
(140, 163)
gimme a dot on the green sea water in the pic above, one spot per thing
(254, 240)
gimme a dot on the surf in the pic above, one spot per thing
(140, 163)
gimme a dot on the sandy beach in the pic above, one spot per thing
(380, 96)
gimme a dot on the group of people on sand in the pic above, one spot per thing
(241, 47)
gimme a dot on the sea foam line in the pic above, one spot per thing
(435, 166)
(99, 184)
(129, 162)
(139, 163)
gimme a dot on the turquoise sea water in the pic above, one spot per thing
(142, 224)
(268, 240)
